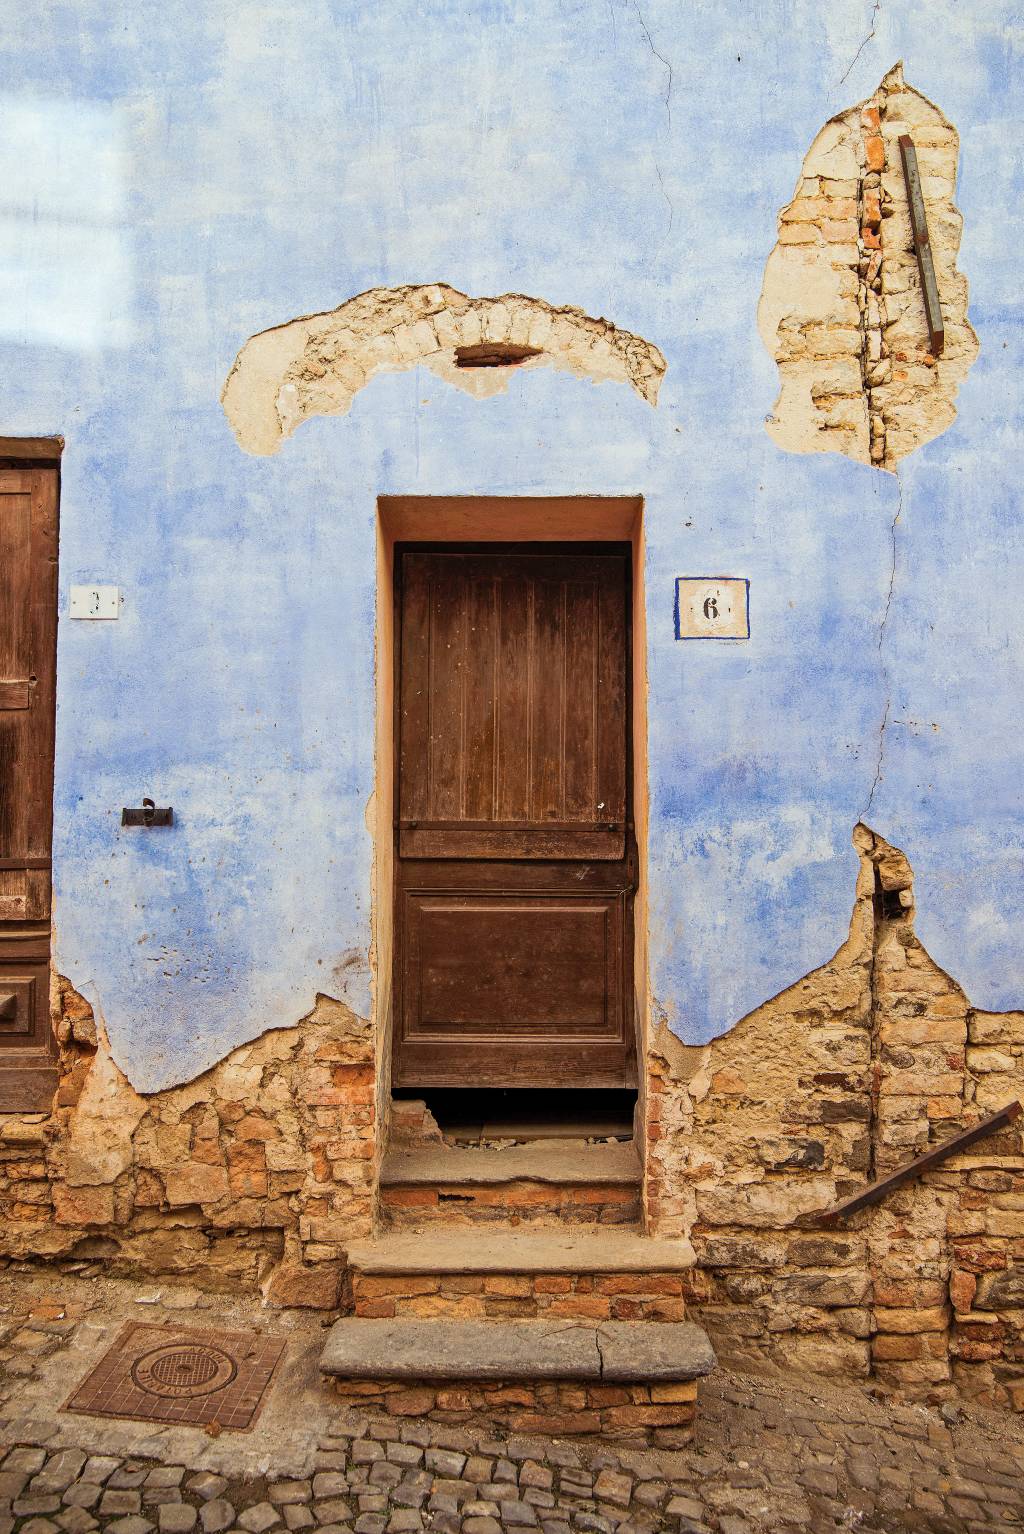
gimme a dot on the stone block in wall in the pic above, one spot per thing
(316, 1287)
(1001, 1291)
(828, 1355)
(768, 1205)
(723, 1251)
(996, 1028)
(83, 1206)
(811, 1287)
(909, 1319)
(194, 1183)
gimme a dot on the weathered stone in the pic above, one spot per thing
(216, 1515)
(823, 1288)
(612, 1487)
(1001, 1291)
(315, 1287)
(176, 1518)
(114, 1501)
(282, 1493)
(259, 1518)
(642, 1352)
(206, 1485)
(410, 1349)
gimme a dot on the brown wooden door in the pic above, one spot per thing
(514, 838)
(28, 630)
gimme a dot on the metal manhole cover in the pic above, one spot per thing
(176, 1369)
(162, 1374)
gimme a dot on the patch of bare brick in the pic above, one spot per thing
(317, 364)
(841, 309)
(161, 1374)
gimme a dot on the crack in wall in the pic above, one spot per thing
(668, 112)
(873, 23)
(883, 625)
(315, 365)
(661, 58)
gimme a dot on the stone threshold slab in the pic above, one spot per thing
(548, 1161)
(440, 1349)
(465, 1250)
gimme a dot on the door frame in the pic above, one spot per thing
(490, 520)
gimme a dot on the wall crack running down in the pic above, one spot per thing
(841, 309)
(876, 11)
(669, 80)
(316, 365)
(883, 625)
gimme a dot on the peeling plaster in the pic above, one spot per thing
(841, 308)
(317, 364)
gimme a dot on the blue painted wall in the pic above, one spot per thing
(174, 178)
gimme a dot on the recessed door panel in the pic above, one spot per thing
(523, 966)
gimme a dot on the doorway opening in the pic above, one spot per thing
(496, 1118)
(510, 814)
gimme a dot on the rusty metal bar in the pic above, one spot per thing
(876, 1191)
(922, 245)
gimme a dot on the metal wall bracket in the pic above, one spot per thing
(922, 245)
(148, 815)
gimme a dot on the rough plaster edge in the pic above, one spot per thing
(793, 423)
(690, 1063)
(316, 364)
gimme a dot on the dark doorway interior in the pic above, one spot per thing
(488, 1116)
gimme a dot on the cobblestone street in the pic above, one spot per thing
(771, 1454)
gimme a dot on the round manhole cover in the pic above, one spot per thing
(183, 1369)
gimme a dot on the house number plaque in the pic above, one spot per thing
(712, 607)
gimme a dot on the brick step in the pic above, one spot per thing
(539, 1273)
(547, 1182)
(621, 1379)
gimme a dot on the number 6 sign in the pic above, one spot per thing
(712, 607)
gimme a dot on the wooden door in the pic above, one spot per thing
(28, 631)
(514, 838)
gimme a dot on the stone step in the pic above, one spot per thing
(615, 1351)
(608, 1274)
(618, 1379)
(547, 1182)
(521, 1251)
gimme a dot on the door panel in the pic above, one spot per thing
(513, 705)
(515, 854)
(518, 965)
(28, 626)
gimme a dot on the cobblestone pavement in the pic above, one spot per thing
(772, 1453)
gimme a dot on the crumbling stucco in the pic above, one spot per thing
(255, 1173)
(844, 1077)
(262, 1170)
(317, 364)
(841, 309)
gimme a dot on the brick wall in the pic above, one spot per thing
(255, 1173)
(260, 1171)
(841, 309)
(843, 1078)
